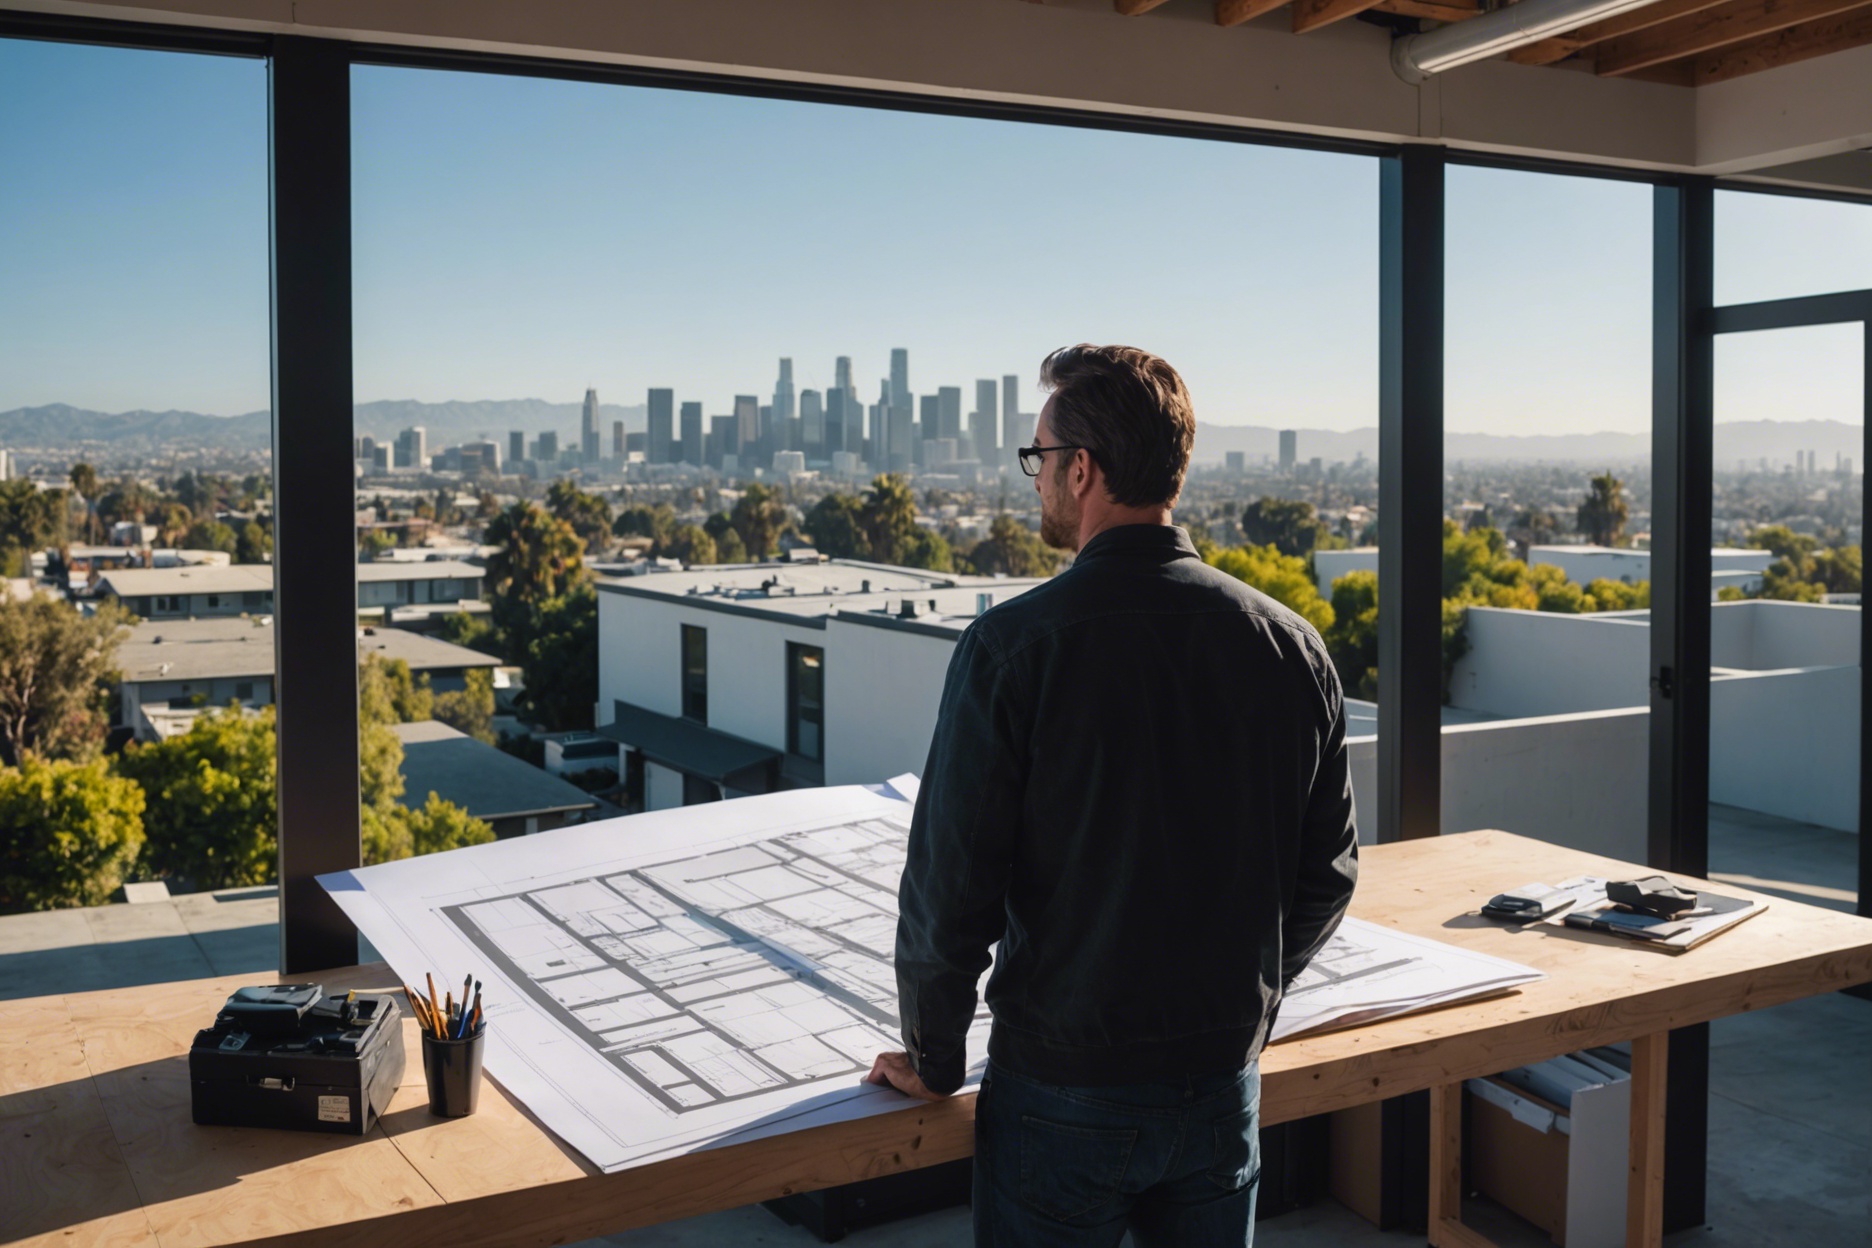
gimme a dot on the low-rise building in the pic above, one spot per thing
(512, 796)
(174, 668)
(190, 592)
(728, 680)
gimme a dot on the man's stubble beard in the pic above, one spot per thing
(1059, 528)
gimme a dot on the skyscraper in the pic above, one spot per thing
(949, 412)
(692, 435)
(983, 421)
(412, 448)
(840, 414)
(1014, 429)
(900, 376)
(1289, 441)
(661, 405)
(589, 442)
(516, 447)
(841, 370)
(546, 450)
(783, 396)
(618, 441)
(812, 425)
(747, 427)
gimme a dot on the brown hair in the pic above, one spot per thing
(1130, 411)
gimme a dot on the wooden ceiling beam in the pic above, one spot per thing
(1852, 29)
(1433, 10)
(1235, 12)
(1559, 47)
(1714, 28)
(1313, 14)
(1135, 8)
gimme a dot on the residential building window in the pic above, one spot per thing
(243, 690)
(806, 701)
(695, 673)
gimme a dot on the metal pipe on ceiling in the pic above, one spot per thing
(1417, 57)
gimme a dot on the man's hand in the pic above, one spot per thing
(894, 1070)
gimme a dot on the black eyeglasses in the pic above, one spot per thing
(1031, 456)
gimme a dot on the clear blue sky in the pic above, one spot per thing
(520, 238)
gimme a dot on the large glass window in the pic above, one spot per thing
(1547, 497)
(603, 330)
(136, 505)
(1782, 247)
(695, 673)
(806, 701)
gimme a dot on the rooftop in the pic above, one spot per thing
(411, 570)
(490, 783)
(243, 646)
(199, 579)
(809, 593)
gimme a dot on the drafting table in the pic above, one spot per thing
(98, 1147)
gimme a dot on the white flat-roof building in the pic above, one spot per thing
(728, 680)
(1583, 564)
(391, 590)
(171, 669)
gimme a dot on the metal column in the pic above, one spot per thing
(315, 574)
(1410, 495)
(1682, 460)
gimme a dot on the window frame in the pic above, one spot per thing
(693, 678)
(797, 653)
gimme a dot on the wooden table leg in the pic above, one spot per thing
(1446, 1224)
(1644, 1183)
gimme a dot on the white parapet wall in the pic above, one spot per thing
(1766, 635)
(1787, 743)
(1574, 780)
(881, 698)
(1532, 663)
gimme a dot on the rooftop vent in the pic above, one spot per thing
(908, 610)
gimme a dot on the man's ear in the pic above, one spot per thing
(1085, 473)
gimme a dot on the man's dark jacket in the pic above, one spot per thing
(1138, 785)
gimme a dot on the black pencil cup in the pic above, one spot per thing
(453, 1069)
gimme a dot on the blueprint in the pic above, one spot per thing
(685, 978)
(671, 980)
(1367, 973)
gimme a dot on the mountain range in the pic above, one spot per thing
(60, 426)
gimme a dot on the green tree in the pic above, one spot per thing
(927, 550)
(1607, 595)
(691, 544)
(758, 517)
(1281, 577)
(835, 527)
(374, 542)
(390, 830)
(390, 693)
(210, 535)
(588, 515)
(888, 515)
(84, 483)
(537, 558)
(470, 710)
(437, 825)
(473, 631)
(1013, 549)
(1352, 637)
(254, 544)
(728, 547)
(1603, 514)
(1289, 525)
(562, 663)
(211, 815)
(57, 669)
(640, 520)
(30, 519)
(126, 499)
(73, 832)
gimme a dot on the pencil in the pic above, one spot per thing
(475, 1020)
(435, 1011)
(414, 1001)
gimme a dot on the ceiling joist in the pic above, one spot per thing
(1313, 14)
(1134, 8)
(1852, 29)
(1559, 47)
(1235, 12)
(1711, 29)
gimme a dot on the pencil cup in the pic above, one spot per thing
(453, 1069)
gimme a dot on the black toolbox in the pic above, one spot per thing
(287, 1055)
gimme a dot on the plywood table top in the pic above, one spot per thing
(97, 1145)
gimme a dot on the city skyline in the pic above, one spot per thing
(476, 277)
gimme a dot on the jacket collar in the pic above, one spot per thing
(1161, 541)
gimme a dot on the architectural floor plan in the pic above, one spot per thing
(719, 976)
(685, 978)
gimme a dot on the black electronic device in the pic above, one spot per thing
(1528, 903)
(1653, 895)
(288, 1055)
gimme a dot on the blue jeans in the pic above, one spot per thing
(1175, 1164)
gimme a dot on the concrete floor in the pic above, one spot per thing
(1790, 1156)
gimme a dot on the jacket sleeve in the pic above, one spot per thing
(1328, 859)
(952, 903)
